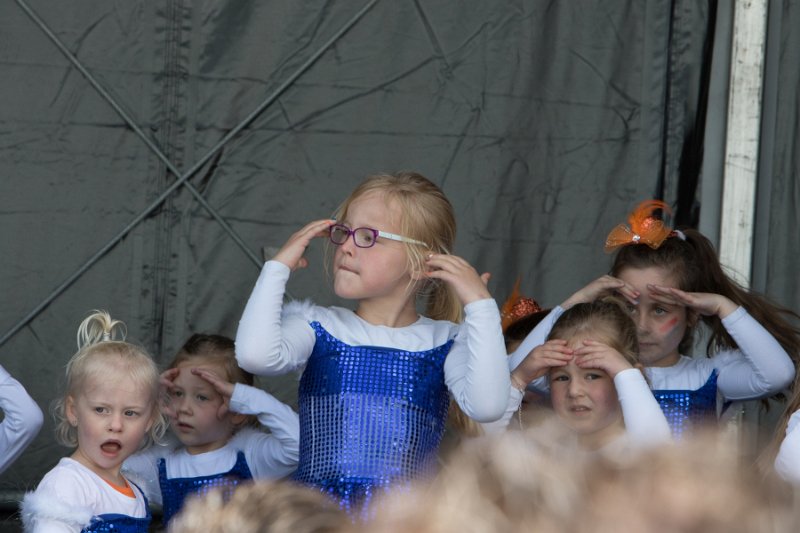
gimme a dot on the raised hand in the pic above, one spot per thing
(224, 388)
(705, 303)
(291, 254)
(465, 280)
(166, 386)
(602, 286)
(540, 360)
(595, 354)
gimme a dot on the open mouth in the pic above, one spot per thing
(111, 447)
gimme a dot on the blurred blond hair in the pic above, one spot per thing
(274, 506)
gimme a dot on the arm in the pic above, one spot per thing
(269, 455)
(645, 422)
(787, 462)
(500, 425)
(476, 370)
(22, 422)
(765, 369)
(535, 338)
(264, 343)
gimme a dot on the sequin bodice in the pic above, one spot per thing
(120, 523)
(369, 417)
(117, 523)
(687, 408)
(174, 491)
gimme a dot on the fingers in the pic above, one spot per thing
(291, 254)
(222, 386)
(594, 354)
(600, 287)
(553, 353)
(460, 275)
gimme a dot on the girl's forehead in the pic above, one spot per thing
(655, 275)
(372, 207)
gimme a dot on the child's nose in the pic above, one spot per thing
(115, 423)
(575, 389)
(183, 405)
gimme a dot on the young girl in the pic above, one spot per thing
(22, 419)
(674, 280)
(210, 399)
(108, 412)
(590, 360)
(374, 393)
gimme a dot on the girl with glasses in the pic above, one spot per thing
(377, 381)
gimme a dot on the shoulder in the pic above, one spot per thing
(63, 495)
(67, 476)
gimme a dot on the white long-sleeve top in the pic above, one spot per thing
(759, 368)
(645, 423)
(22, 419)
(787, 462)
(69, 496)
(269, 455)
(476, 371)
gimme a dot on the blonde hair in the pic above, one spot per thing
(426, 215)
(275, 506)
(100, 353)
(539, 481)
(607, 316)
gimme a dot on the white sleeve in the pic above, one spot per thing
(22, 419)
(536, 337)
(476, 369)
(266, 345)
(645, 423)
(787, 462)
(765, 369)
(499, 426)
(142, 469)
(271, 455)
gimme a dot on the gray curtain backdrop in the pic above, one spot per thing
(544, 122)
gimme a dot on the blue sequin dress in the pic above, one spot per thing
(175, 490)
(370, 417)
(685, 409)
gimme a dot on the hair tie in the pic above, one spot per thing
(679, 234)
(517, 306)
(643, 227)
(106, 336)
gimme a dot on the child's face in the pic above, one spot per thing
(379, 272)
(198, 422)
(112, 418)
(586, 399)
(660, 327)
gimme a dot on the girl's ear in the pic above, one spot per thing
(69, 411)
(238, 419)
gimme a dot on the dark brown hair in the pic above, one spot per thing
(696, 266)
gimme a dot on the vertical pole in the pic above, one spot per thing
(737, 221)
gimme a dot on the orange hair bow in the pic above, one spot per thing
(644, 228)
(516, 307)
